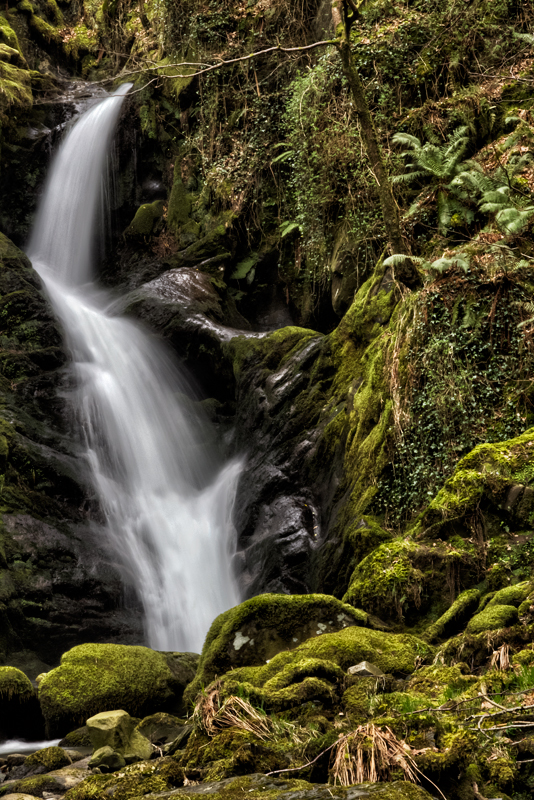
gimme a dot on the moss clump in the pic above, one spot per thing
(384, 578)
(511, 595)
(37, 787)
(135, 780)
(146, 218)
(100, 677)
(492, 618)
(50, 758)
(179, 202)
(81, 41)
(488, 470)
(458, 613)
(256, 630)
(315, 670)
(15, 685)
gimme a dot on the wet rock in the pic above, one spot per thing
(56, 588)
(107, 759)
(115, 730)
(161, 728)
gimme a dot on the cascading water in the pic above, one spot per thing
(171, 532)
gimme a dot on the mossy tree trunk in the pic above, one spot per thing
(371, 143)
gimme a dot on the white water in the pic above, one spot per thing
(173, 539)
(24, 747)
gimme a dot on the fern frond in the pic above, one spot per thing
(512, 220)
(408, 139)
(406, 177)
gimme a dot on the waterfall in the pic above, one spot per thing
(168, 511)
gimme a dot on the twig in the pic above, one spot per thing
(303, 766)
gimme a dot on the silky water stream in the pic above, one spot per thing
(168, 515)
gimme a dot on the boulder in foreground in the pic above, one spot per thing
(101, 677)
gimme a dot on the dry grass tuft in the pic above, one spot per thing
(368, 754)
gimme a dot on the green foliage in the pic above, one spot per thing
(469, 368)
(437, 164)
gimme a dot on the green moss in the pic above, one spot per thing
(488, 470)
(81, 41)
(511, 595)
(356, 699)
(179, 209)
(15, 87)
(77, 738)
(434, 680)
(36, 787)
(456, 615)
(386, 579)
(45, 31)
(15, 684)
(101, 677)
(256, 630)
(51, 758)
(311, 672)
(493, 618)
(146, 217)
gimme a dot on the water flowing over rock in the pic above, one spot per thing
(167, 503)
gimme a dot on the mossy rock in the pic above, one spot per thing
(48, 759)
(511, 595)
(489, 470)
(492, 618)
(179, 209)
(101, 677)
(19, 708)
(146, 218)
(316, 670)
(256, 630)
(458, 613)
(77, 738)
(253, 786)
(36, 786)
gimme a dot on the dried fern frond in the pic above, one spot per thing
(207, 708)
(500, 658)
(368, 754)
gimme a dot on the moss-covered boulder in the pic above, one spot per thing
(146, 219)
(101, 677)
(19, 708)
(492, 618)
(456, 615)
(316, 669)
(253, 632)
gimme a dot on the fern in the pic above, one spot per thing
(438, 163)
